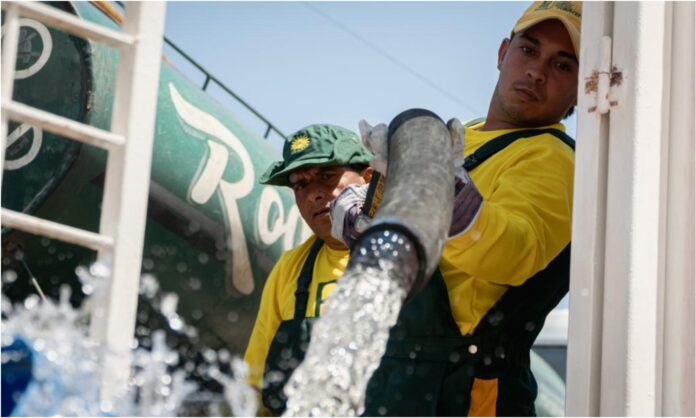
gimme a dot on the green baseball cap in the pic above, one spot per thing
(316, 146)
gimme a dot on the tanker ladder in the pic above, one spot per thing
(119, 242)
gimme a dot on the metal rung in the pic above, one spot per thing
(66, 233)
(62, 126)
(71, 24)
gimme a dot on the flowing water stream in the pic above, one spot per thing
(349, 340)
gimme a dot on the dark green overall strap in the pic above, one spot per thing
(493, 146)
(509, 329)
(289, 343)
(513, 319)
(305, 279)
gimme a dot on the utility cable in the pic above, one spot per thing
(393, 59)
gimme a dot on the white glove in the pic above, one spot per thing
(347, 220)
(456, 131)
(467, 199)
(375, 139)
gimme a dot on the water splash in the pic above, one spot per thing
(51, 331)
(66, 362)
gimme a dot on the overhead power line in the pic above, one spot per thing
(393, 59)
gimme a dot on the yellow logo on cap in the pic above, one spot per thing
(299, 143)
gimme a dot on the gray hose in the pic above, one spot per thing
(411, 224)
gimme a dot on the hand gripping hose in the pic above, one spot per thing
(410, 226)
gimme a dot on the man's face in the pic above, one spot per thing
(538, 77)
(315, 188)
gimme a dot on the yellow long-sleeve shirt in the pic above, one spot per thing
(524, 223)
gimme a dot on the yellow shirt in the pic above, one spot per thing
(524, 223)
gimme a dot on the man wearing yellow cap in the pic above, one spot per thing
(466, 350)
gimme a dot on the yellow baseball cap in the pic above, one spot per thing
(568, 12)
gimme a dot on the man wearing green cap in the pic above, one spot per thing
(319, 162)
(506, 263)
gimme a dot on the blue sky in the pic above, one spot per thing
(299, 63)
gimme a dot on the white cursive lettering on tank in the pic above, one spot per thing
(210, 179)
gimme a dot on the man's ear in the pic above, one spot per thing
(502, 51)
(367, 174)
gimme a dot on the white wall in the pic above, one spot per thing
(631, 335)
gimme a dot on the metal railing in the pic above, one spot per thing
(210, 77)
